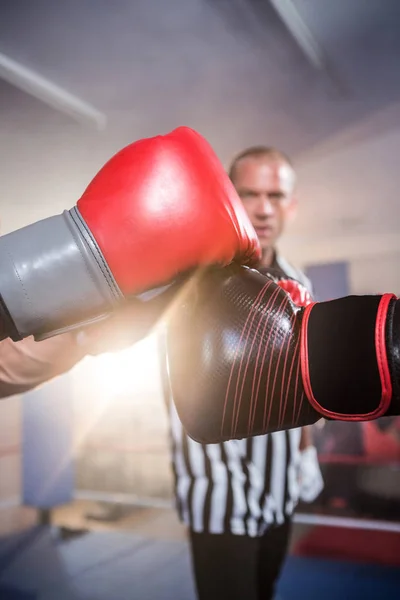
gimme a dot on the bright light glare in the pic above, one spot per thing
(133, 370)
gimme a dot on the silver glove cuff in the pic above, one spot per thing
(53, 276)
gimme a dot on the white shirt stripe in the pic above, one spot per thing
(278, 474)
(197, 460)
(182, 475)
(257, 482)
(219, 474)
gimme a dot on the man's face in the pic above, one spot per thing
(266, 186)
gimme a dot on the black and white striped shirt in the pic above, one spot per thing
(240, 486)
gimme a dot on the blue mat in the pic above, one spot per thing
(317, 579)
(7, 593)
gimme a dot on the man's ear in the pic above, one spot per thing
(292, 209)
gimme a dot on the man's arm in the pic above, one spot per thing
(26, 364)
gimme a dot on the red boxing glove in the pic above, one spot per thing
(158, 209)
(163, 206)
(297, 292)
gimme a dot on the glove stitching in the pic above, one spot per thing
(23, 289)
(113, 287)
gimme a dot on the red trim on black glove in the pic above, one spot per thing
(382, 362)
(381, 354)
(305, 371)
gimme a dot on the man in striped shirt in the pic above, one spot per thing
(237, 498)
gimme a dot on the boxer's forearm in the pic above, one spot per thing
(26, 364)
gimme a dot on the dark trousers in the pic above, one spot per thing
(238, 567)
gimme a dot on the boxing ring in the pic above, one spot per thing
(63, 458)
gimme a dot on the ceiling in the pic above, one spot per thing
(231, 69)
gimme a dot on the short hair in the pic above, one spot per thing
(258, 152)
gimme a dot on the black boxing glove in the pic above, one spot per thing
(245, 360)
